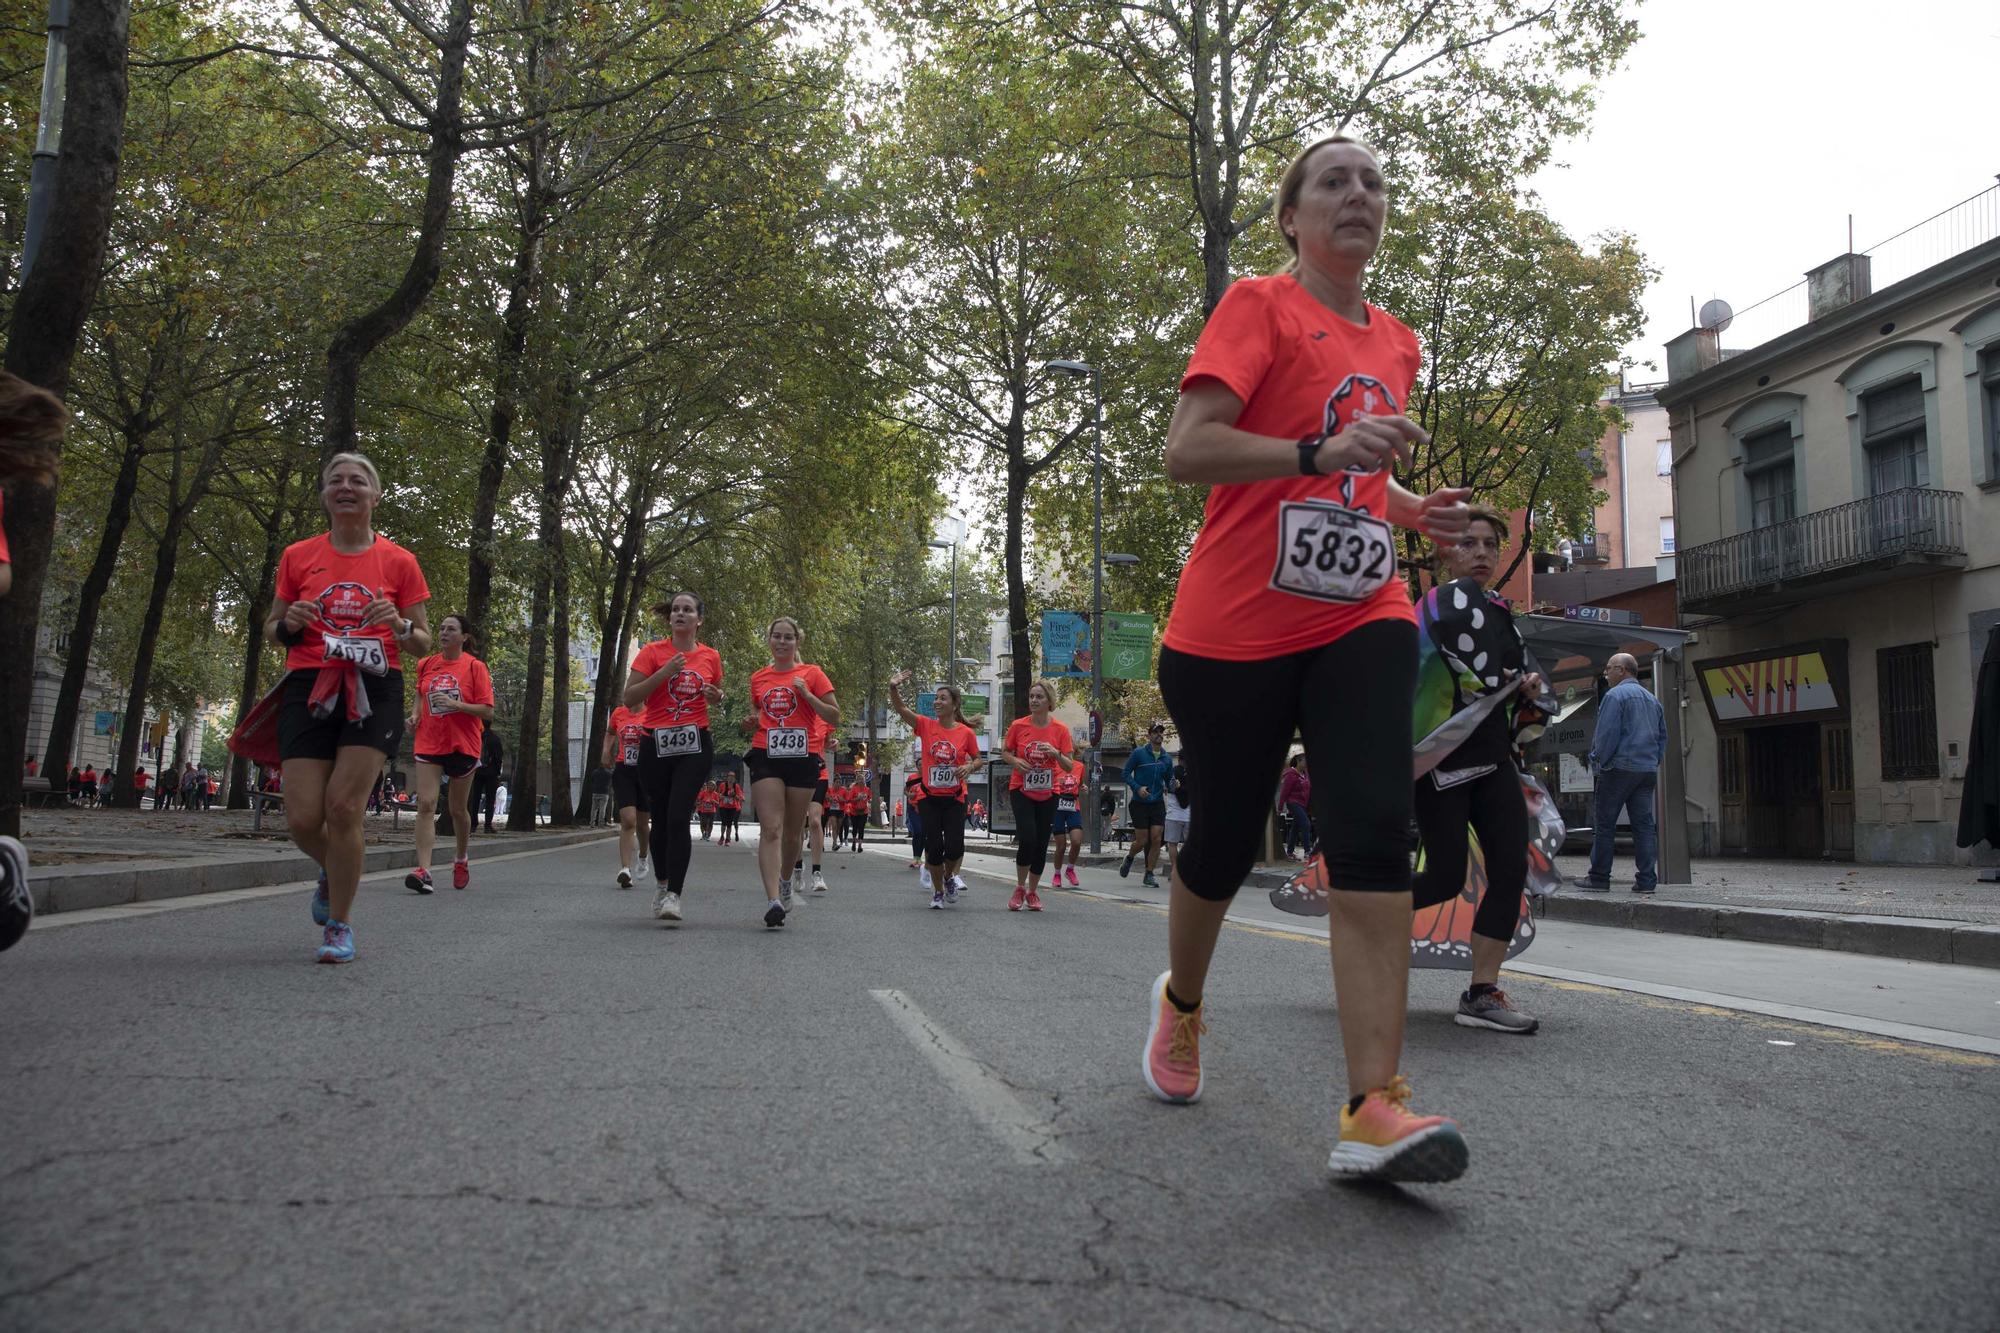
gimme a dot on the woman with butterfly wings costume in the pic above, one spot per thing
(1488, 832)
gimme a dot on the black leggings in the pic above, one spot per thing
(673, 785)
(729, 823)
(1492, 807)
(1032, 819)
(1351, 700)
(943, 829)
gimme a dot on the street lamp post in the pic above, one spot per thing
(1093, 821)
(48, 135)
(951, 643)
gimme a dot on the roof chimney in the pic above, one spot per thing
(1836, 283)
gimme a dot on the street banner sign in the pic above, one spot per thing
(975, 705)
(1128, 646)
(1066, 645)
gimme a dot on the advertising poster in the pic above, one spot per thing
(1066, 645)
(1128, 646)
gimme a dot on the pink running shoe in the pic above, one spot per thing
(1014, 903)
(461, 874)
(1034, 901)
(1172, 1059)
(1385, 1140)
(1071, 872)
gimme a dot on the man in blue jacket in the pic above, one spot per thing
(1148, 773)
(1625, 766)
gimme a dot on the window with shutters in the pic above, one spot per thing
(1892, 434)
(1989, 389)
(1768, 467)
(1907, 692)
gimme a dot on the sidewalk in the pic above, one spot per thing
(105, 858)
(1939, 914)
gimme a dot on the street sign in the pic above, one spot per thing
(1602, 615)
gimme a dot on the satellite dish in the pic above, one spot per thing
(1716, 314)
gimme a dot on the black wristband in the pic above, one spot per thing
(288, 636)
(1308, 451)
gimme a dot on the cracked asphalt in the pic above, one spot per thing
(531, 1106)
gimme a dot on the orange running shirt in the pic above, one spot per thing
(343, 585)
(778, 706)
(678, 702)
(706, 801)
(1021, 734)
(466, 681)
(630, 729)
(940, 747)
(1293, 563)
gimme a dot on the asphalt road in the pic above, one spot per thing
(531, 1106)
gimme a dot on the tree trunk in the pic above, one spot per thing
(484, 550)
(561, 810)
(612, 631)
(1017, 583)
(528, 745)
(259, 608)
(364, 333)
(50, 307)
(90, 602)
(165, 556)
(1214, 267)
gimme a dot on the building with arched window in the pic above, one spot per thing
(1837, 509)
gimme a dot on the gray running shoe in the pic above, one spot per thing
(1492, 1010)
(785, 893)
(1589, 885)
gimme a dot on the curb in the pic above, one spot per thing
(1917, 939)
(63, 889)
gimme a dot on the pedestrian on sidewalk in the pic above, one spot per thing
(1294, 798)
(491, 752)
(1625, 768)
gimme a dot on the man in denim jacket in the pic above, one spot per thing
(1625, 763)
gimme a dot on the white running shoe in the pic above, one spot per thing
(819, 882)
(625, 878)
(956, 883)
(924, 877)
(642, 868)
(667, 907)
(785, 892)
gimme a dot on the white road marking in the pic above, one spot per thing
(91, 916)
(1031, 1138)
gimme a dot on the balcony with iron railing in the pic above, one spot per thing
(1898, 534)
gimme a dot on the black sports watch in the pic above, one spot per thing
(1308, 454)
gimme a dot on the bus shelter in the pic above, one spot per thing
(1572, 652)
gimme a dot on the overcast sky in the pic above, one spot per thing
(1741, 133)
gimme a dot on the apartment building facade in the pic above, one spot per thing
(1837, 513)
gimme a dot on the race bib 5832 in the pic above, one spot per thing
(1330, 553)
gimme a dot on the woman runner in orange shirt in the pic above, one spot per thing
(1290, 617)
(1037, 748)
(676, 678)
(787, 698)
(454, 699)
(349, 603)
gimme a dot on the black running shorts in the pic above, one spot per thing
(626, 789)
(454, 765)
(303, 736)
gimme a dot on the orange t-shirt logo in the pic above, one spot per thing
(343, 604)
